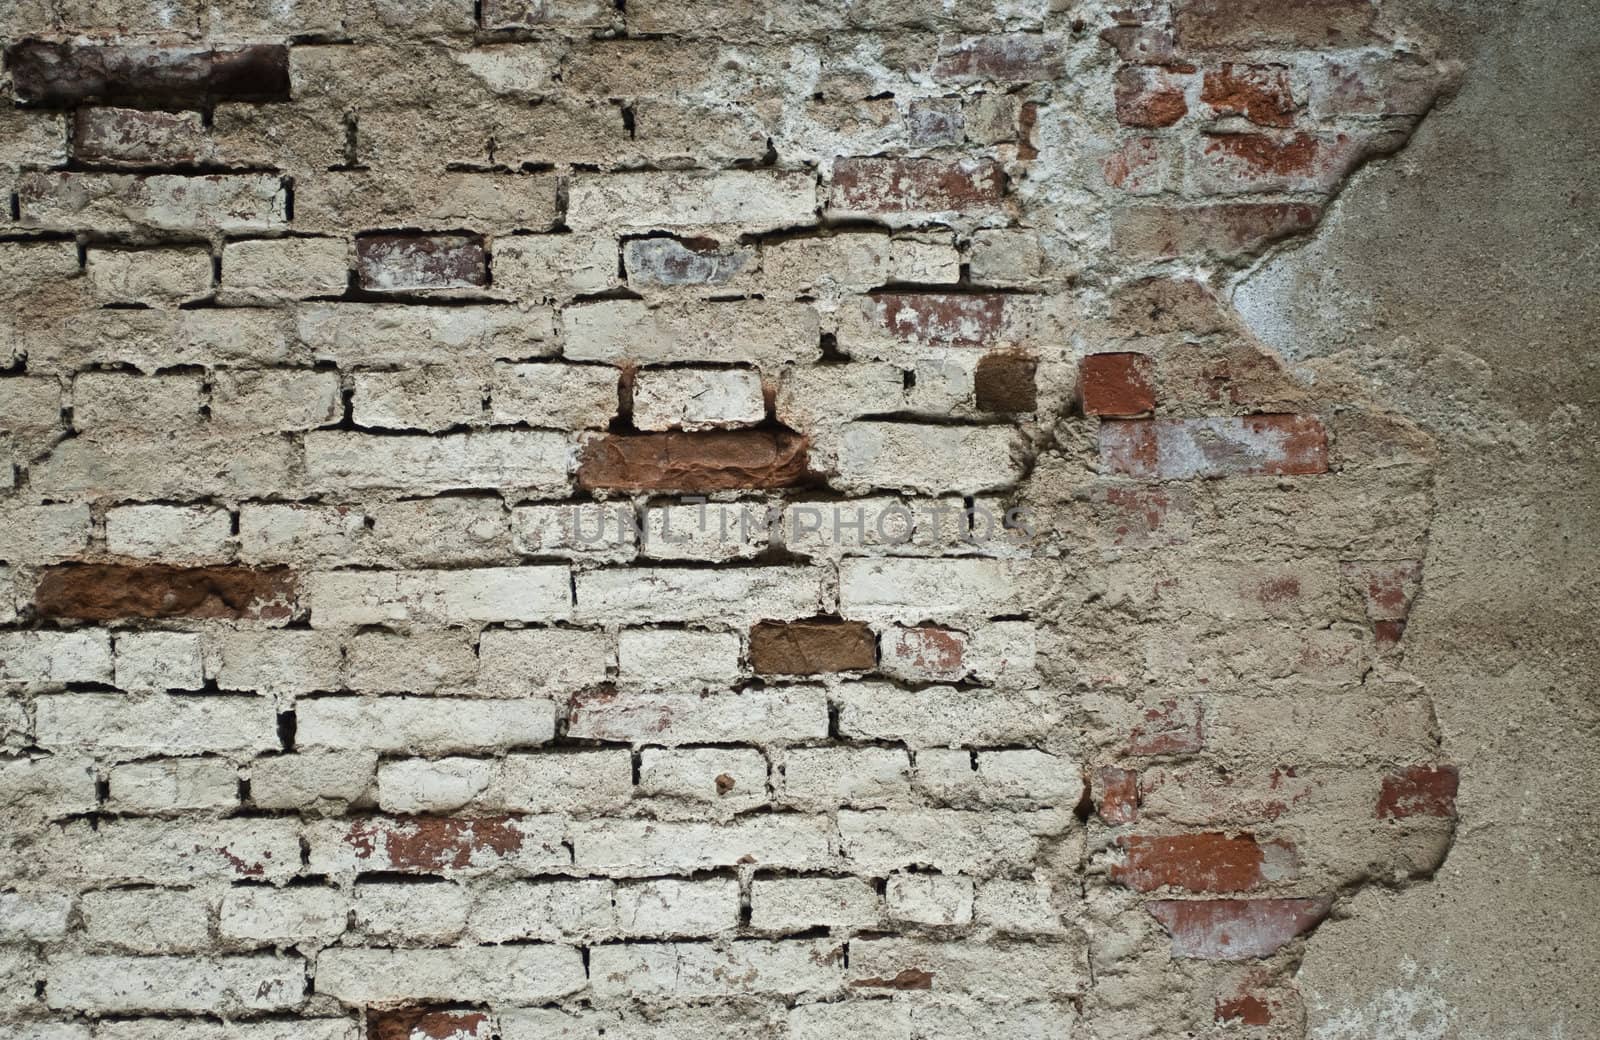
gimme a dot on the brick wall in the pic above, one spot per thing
(693, 519)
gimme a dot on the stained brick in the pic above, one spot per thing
(1260, 93)
(917, 185)
(1229, 230)
(1150, 97)
(105, 592)
(402, 262)
(1252, 24)
(1178, 449)
(1011, 58)
(693, 462)
(811, 647)
(1004, 381)
(1236, 929)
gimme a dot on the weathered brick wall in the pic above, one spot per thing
(690, 519)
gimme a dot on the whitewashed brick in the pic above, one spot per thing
(44, 533)
(283, 915)
(46, 787)
(531, 459)
(279, 269)
(446, 531)
(152, 661)
(117, 203)
(631, 847)
(926, 458)
(541, 662)
(422, 662)
(700, 970)
(1019, 907)
(34, 915)
(826, 778)
(738, 596)
(180, 783)
(605, 532)
(945, 839)
(428, 726)
(756, 332)
(312, 782)
(668, 907)
(430, 397)
(341, 599)
(796, 904)
(675, 659)
(729, 779)
(1001, 971)
(553, 396)
(544, 910)
(914, 590)
(406, 914)
(158, 277)
(169, 532)
(575, 782)
(514, 974)
(929, 899)
(946, 716)
(760, 716)
(199, 1029)
(1015, 779)
(697, 398)
(437, 845)
(533, 267)
(888, 524)
(275, 662)
(880, 1019)
(177, 852)
(226, 985)
(374, 335)
(753, 200)
(110, 723)
(151, 920)
(295, 533)
(55, 658)
(711, 531)
(123, 400)
(269, 400)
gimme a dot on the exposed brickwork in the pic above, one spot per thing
(690, 518)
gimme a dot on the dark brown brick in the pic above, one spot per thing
(108, 592)
(428, 1024)
(811, 647)
(719, 460)
(1004, 382)
(1253, 24)
(63, 75)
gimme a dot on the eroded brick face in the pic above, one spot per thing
(691, 519)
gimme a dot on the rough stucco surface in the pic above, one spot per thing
(797, 520)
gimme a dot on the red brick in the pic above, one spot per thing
(882, 185)
(1170, 728)
(1227, 230)
(719, 460)
(1246, 446)
(109, 592)
(1253, 24)
(1236, 929)
(1009, 58)
(1119, 795)
(402, 262)
(1215, 863)
(1259, 93)
(812, 647)
(1419, 791)
(1257, 998)
(1117, 384)
(943, 319)
(428, 1024)
(1005, 382)
(65, 75)
(1149, 96)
